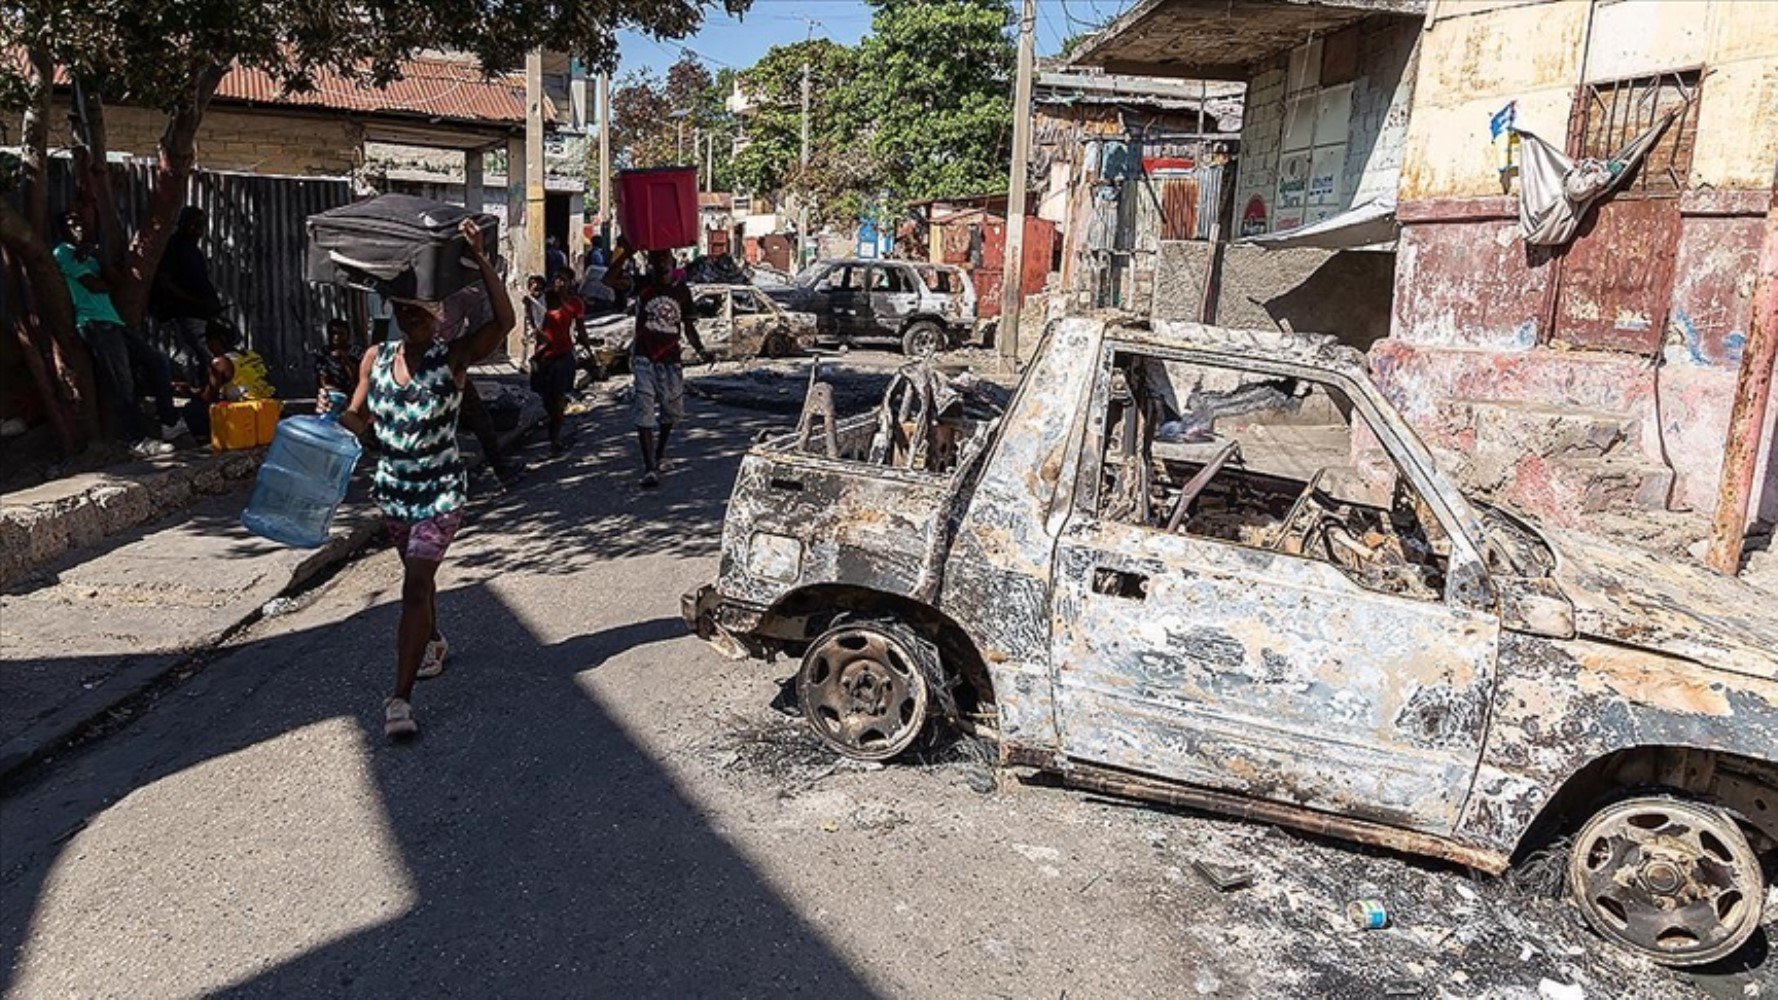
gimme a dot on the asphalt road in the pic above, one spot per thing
(601, 806)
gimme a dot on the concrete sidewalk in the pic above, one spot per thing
(85, 633)
(101, 625)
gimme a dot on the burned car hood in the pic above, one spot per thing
(1638, 598)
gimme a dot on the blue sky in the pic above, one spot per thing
(739, 43)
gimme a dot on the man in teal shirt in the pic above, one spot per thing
(116, 350)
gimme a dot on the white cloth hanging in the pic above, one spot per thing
(1555, 192)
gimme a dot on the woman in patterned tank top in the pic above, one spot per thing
(408, 395)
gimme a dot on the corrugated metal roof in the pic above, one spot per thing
(431, 88)
(453, 90)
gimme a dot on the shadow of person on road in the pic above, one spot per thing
(548, 852)
(539, 846)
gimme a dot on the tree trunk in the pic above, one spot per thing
(177, 156)
(40, 75)
(92, 170)
(46, 300)
(34, 344)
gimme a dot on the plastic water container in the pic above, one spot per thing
(303, 479)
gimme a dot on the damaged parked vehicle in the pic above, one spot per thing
(1217, 569)
(735, 322)
(925, 308)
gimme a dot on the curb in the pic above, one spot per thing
(62, 725)
(51, 732)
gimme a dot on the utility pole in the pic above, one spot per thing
(802, 224)
(1012, 294)
(710, 162)
(605, 159)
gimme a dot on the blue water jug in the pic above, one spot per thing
(303, 479)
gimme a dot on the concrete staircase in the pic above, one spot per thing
(1572, 462)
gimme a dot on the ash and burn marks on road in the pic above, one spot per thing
(1452, 933)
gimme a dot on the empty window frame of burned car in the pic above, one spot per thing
(1262, 460)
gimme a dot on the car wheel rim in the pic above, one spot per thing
(863, 693)
(1668, 879)
(925, 343)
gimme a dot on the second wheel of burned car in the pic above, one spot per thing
(1216, 568)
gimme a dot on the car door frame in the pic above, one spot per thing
(1147, 697)
(722, 322)
(892, 311)
(849, 302)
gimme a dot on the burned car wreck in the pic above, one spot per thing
(1216, 569)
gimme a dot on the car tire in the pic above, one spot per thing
(922, 339)
(1670, 879)
(777, 344)
(865, 688)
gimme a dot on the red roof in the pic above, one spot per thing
(431, 88)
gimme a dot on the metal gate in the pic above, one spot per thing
(256, 246)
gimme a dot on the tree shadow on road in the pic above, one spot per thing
(549, 853)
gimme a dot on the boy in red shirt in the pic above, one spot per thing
(552, 366)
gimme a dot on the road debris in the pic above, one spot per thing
(1368, 914)
(1223, 878)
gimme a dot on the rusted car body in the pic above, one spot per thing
(1360, 651)
(924, 307)
(735, 322)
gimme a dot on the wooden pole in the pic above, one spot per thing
(605, 160)
(1012, 292)
(1740, 456)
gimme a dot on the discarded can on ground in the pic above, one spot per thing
(1368, 914)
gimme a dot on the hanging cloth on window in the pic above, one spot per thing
(1555, 192)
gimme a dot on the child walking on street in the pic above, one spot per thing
(408, 393)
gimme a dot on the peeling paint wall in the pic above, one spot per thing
(1469, 356)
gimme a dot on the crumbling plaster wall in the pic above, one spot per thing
(1468, 357)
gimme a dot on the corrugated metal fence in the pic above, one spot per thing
(255, 245)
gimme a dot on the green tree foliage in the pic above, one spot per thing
(658, 122)
(839, 155)
(921, 108)
(939, 78)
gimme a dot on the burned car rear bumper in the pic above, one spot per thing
(726, 625)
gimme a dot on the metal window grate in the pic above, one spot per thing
(1607, 116)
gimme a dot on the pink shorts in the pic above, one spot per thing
(425, 540)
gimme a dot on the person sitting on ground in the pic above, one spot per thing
(118, 351)
(552, 367)
(336, 368)
(235, 375)
(409, 392)
(663, 311)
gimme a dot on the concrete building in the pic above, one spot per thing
(1590, 383)
(1328, 85)
(1123, 165)
(1595, 377)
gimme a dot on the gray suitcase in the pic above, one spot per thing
(399, 245)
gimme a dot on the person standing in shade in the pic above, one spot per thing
(554, 259)
(117, 351)
(409, 393)
(663, 312)
(552, 367)
(183, 297)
